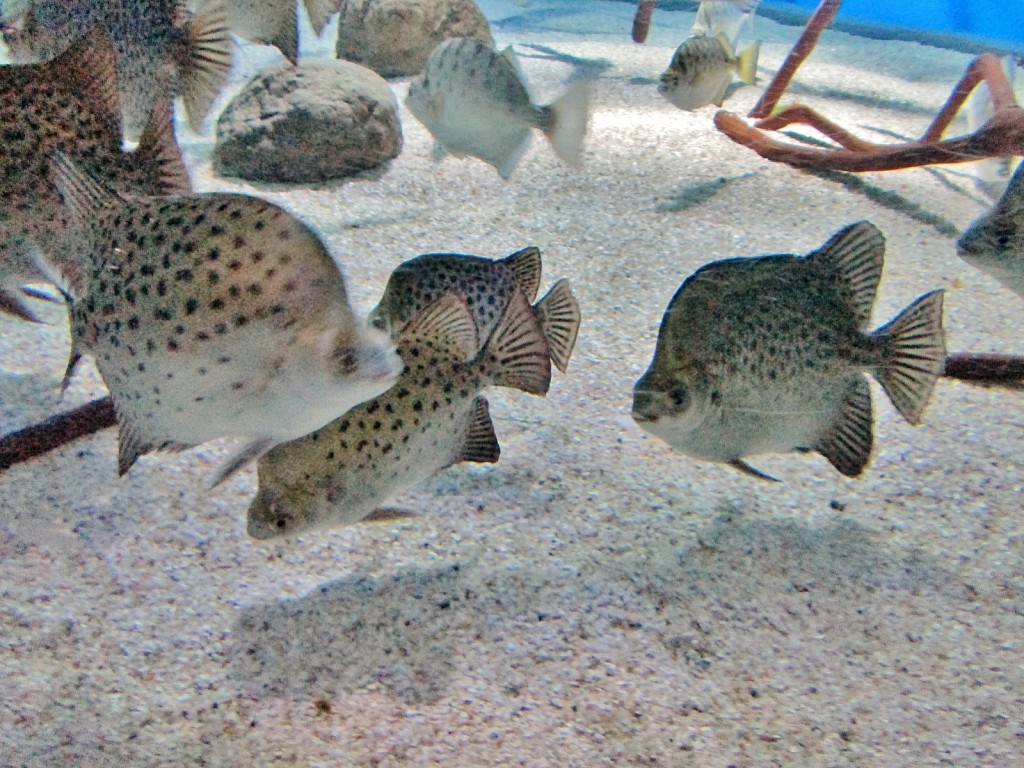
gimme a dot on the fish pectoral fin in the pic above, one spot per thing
(248, 452)
(525, 266)
(449, 323)
(205, 61)
(847, 443)
(915, 355)
(159, 154)
(435, 107)
(746, 469)
(559, 315)
(387, 514)
(855, 255)
(480, 444)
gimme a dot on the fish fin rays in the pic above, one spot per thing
(158, 150)
(320, 12)
(286, 37)
(480, 443)
(517, 353)
(559, 315)
(847, 444)
(206, 60)
(746, 469)
(915, 355)
(89, 68)
(449, 323)
(746, 64)
(856, 254)
(567, 125)
(236, 461)
(525, 266)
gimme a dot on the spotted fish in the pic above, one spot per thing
(702, 68)
(767, 354)
(432, 418)
(473, 100)
(211, 315)
(161, 48)
(69, 105)
(486, 286)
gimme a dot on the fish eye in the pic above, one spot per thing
(281, 523)
(1003, 239)
(346, 361)
(679, 395)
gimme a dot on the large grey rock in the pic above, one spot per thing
(395, 37)
(317, 121)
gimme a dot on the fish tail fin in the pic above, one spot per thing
(205, 60)
(559, 315)
(516, 354)
(158, 152)
(320, 12)
(746, 64)
(915, 355)
(565, 122)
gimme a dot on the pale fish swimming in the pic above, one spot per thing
(487, 286)
(212, 315)
(473, 101)
(276, 22)
(724, 17)
(702, 69)
(432, 418)
(161, 48)
(768, 354)
(69, 104)
(994, 243)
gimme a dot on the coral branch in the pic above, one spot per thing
(642, 20)
(1005, 370)
(56, 431)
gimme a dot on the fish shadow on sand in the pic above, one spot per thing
(410, 632)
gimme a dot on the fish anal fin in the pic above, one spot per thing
(746, 469)
(559, 315)
(158, 153)
(855, 255)
(205, 60)
(508, 163)
(914, 350)
(480, 443)
(516, 354)
(130, 443)
(847, 442)
(388, 514)
(247, 453)
(525, 266)
(448, 323)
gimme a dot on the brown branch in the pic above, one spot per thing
(642, 20)
(1005, 370)
(819, 20)
(56, 431)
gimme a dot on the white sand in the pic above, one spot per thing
(594, 599)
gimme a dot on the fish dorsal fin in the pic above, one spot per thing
(447, 323)
(559, 315)
(525, 266)
(286, 36)
(855, 255)
(847, 443)
(89, 69)
(726, 44)
(509, 55)
(158, 152)
(320, 12)
(205, 60)
(480, 443)
(516, 354)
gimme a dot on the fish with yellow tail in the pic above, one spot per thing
(702, 69)
(768, 354)
(211, 315)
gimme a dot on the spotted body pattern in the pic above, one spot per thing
(702, 69)
(161, 48)
(432, 418)
(473, 100)
(212, 315)
(767, 354)
(995, 242)
(486, 286)
(68, 105)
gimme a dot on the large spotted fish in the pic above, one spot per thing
(212, 315)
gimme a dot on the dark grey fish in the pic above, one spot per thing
(994, 243)
(768, 354)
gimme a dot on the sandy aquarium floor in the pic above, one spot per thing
(594, 599)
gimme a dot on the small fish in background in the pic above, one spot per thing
(161, 48)
(994, 243)
(487, 287)
(992, 174)
(724, 17)
(473, 100)
(432, 418)
(69, 104)
(276, 22)
(702, 69)
(211, 315)
(767, 354)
